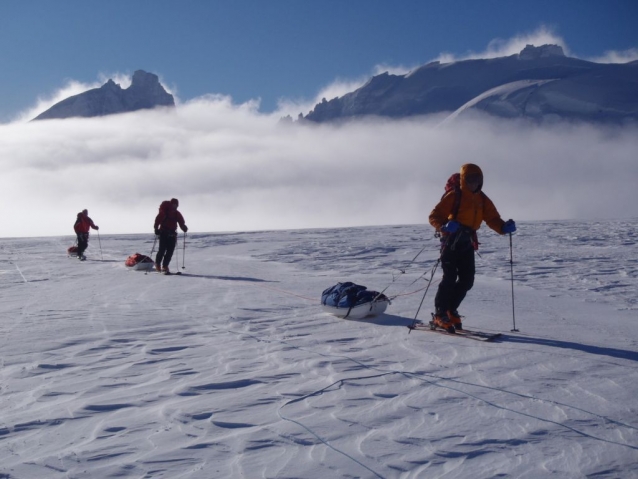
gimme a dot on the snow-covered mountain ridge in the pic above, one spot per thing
(558, 87)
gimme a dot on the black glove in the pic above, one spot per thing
(157, 231)
(185, 229)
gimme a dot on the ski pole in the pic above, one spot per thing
(426, 292)
(512, 275)
(176, 245)
(438, 261)
(184, 253)
(152, 249)
(75, 243)
(100, 243)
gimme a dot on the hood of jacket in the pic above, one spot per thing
(470, 169)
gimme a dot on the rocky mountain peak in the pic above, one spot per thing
(142, 79)
(530, 52)
(145, 92)
(111, 85)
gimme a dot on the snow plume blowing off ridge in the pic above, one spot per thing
(235, 169)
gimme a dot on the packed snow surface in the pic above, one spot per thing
(232, 370)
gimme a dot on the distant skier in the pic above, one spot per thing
(457, 217)
(82, 225)
(166, 223)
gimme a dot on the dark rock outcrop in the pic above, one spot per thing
(145, 92)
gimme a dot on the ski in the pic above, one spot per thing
(463, 333)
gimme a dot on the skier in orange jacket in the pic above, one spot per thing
(457, 217)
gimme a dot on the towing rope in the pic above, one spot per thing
(394, 279)
(281, 291)
(314, 300)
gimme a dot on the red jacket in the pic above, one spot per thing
(168, 218)
(83, 223)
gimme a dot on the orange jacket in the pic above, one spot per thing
(83, 223)
(475, 207)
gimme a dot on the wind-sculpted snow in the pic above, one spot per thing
(232, 370)
(598, 260)
(594, 260)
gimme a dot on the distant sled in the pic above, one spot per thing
(349, 300)
(139, 262)
(72, 251)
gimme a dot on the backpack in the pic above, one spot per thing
(454, 184)
(78, 223)
(165, 207)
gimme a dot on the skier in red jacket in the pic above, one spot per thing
(165, 226)
(82, 225)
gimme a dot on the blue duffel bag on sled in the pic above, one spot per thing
(349, 300)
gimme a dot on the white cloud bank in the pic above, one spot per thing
(615, 56)
(233, 168)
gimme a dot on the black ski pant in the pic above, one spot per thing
(83, 243)
(167, 243)
(457, 262)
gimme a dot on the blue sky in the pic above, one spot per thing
(273, 50)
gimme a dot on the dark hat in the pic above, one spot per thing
(175, 201)
(85, 212)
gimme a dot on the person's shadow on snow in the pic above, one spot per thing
(558, 343)
(227, 278)
(386, 320)
(393, 320)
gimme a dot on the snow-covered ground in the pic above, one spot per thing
(231, 370)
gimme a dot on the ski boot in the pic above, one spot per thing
(165, 270)
(455, 319)
(158, 267)
(440, 320)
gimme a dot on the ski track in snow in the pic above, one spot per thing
(232, 370)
